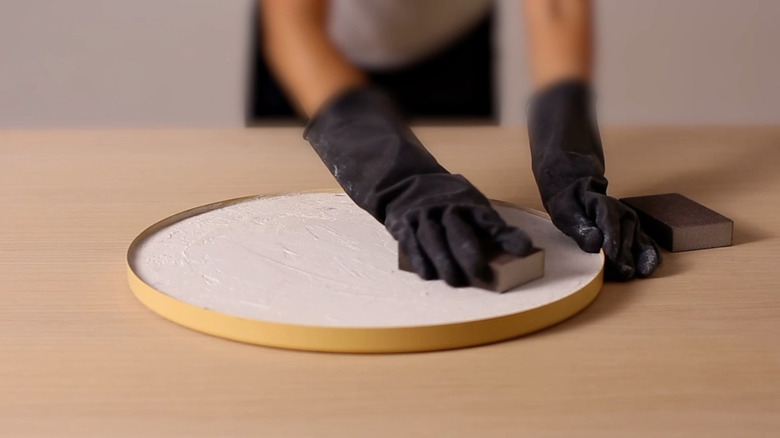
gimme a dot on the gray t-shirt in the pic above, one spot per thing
(385, 34)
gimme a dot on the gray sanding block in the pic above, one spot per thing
(678, 223)
(509, 271)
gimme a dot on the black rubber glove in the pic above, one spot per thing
(568, 164)
(444, 225)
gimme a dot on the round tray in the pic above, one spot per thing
(340, 291)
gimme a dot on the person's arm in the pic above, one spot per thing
(304, 60)
(560, 37)
(566, 152)
(444, 225)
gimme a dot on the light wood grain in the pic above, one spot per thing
(693, 351)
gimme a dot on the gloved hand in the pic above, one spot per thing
(444, 225)
(568, 164)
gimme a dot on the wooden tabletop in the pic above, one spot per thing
(692, 351)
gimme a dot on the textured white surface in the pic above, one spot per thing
(317, 259)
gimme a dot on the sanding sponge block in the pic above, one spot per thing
(678, 223)
(509, 271)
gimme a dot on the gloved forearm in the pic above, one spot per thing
(369, 149)
(565, 144)
(445, 226)
(568, 165)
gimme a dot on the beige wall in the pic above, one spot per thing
(670, 62)
(183, 62)
(123, 62)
